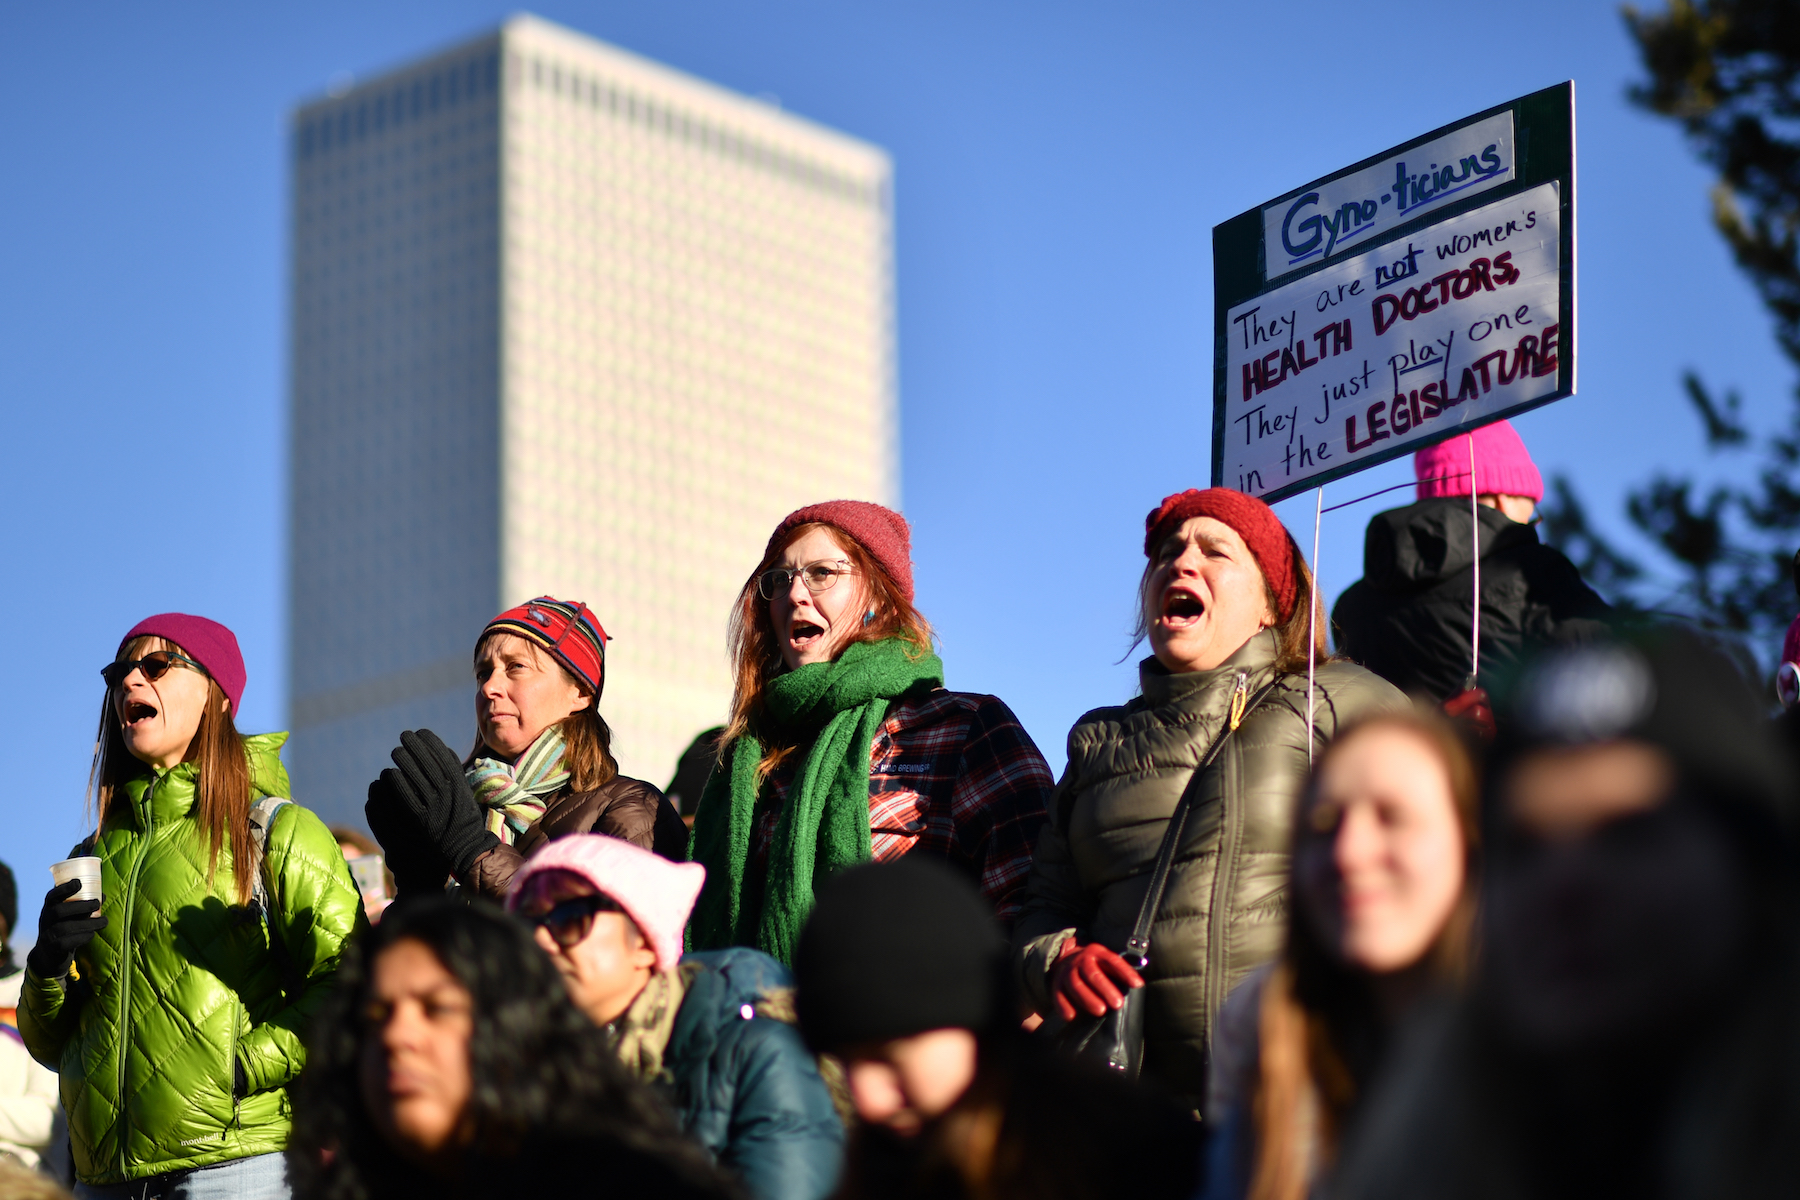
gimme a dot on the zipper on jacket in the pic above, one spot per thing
(137, 866)
(1231, 837)
(238, 1016)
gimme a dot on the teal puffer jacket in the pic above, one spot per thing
(184, 983)
(744, 1083)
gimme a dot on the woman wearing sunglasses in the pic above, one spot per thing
(844, 746)
(174, 1006)
(713, 1031)
(542, 766)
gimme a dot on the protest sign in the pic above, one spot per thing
(1354, 324)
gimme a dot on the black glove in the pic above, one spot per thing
(417, 866)
(431, 785)
(64, 927)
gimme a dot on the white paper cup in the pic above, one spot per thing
(85, 869)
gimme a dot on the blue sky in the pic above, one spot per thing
(1059, 169)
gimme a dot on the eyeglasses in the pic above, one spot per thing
(570, 922)
(154, 665)
(818, 577)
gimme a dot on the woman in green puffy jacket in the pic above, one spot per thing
(175, 1006)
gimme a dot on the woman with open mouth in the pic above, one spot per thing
(844, 746)
(174, 1004)
(1223, 601)
(542, 766)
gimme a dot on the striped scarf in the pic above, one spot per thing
(515, 793)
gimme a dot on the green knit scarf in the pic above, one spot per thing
(824, 822)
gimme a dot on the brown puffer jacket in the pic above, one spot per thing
(1225, 910)
(625, 808)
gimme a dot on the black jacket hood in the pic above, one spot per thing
(1415, 546)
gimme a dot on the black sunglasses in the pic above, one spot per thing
(154, 665)
(570, 922)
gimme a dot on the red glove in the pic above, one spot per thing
(1090, 979)
(1470, 709)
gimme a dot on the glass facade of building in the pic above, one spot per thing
(564, 321)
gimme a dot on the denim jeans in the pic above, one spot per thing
(259, 1177)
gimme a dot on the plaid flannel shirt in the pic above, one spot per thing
(955, 776)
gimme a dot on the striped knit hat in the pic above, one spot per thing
(567, 630)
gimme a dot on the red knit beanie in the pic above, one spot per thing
(1253, 520)
(206, 642)
(1502, 465)
(565, 628)
(881, 531)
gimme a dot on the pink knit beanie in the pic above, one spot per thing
(883, 532)
(206, 642)
(655, 893)
(1502, 465)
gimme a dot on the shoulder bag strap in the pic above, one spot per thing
(1137, 947)
(262, 818)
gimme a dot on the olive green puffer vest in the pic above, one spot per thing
(184, 982)
(1225, 910)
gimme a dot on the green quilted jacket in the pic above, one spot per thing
(184, 981)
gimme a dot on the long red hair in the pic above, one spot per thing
(756, 656)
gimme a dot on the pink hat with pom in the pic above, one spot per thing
(655, 893)
(1502, 466)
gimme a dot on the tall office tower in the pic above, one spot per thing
(564, 321)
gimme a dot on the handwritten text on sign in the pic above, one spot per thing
(1358, 207)
(1400, 344)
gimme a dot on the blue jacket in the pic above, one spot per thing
(745, 1084)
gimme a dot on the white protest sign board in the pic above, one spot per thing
(1409, 297)
(1438, 330)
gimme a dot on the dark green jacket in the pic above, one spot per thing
(1226, 907)
(184, 982)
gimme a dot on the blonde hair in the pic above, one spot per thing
(19, 1182)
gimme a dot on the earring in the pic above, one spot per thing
(868, 616)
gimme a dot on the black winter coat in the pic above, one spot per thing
(1409, 618)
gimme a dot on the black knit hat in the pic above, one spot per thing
(894, 949)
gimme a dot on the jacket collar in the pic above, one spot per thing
(162, 795)
(168, 795)
(1162, 686)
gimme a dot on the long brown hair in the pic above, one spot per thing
(587, 739)
(1290, 632)
(756, 658)
(222, 791)
(1317, 1030)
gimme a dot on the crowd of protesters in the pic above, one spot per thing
(1508, 913)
